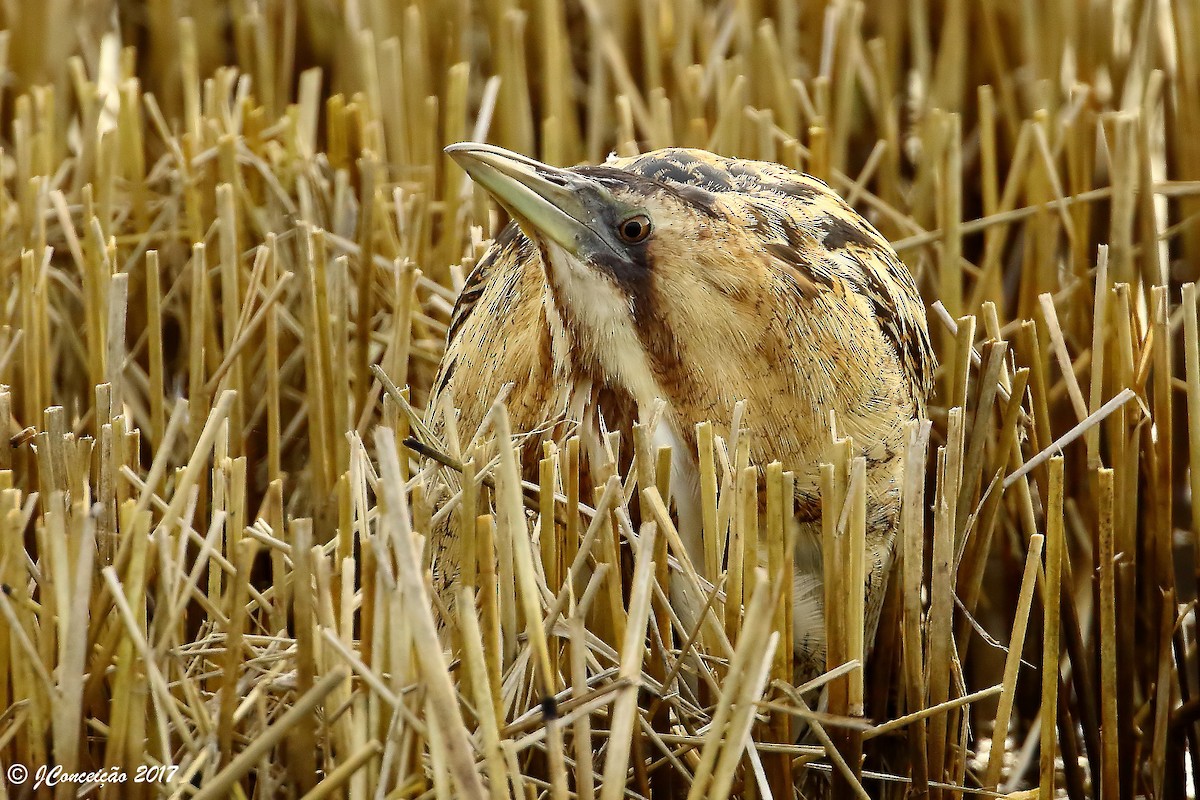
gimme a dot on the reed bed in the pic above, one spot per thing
(231, 244)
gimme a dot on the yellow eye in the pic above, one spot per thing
(634, 229)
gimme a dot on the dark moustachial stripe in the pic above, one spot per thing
(631, 275)
(660, 342)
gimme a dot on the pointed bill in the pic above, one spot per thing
(547, 202)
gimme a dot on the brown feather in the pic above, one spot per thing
(759, 284)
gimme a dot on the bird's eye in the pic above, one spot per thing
(635, 229)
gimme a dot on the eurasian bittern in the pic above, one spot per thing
(702, 281)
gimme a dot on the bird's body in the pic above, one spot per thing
(701, 281)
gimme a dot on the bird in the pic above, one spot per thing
(686, 282)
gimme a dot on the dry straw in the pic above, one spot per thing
(232, 245)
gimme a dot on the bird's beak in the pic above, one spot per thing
(547, 202)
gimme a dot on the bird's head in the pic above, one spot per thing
(612, 240)
(594, 223)
(683, 272)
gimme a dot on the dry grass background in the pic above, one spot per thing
(218, 217)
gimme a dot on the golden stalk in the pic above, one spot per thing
(235, 250)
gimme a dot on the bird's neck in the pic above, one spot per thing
(561, 337)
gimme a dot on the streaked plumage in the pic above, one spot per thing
(755, 283)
